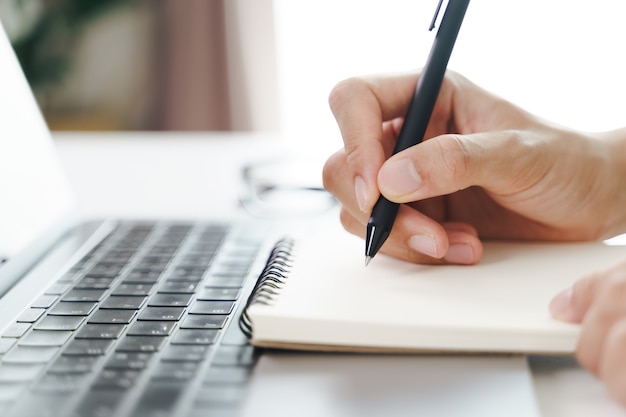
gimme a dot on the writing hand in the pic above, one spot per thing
(487, 170)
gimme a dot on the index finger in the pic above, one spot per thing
(360, 106)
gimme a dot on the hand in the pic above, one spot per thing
(599, 303)
(486, 169)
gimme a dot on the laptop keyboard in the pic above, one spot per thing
(144, 325)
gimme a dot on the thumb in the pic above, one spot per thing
(449, 163)
(572, 304)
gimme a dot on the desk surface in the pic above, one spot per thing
(181, 175)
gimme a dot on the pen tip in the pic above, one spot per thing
(367, 260)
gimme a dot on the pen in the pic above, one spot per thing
(418, 114)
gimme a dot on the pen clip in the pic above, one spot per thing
(434, 21)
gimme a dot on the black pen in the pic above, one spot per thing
(418, 114)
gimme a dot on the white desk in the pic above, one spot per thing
(195, 175)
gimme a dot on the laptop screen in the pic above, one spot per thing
(34, 194)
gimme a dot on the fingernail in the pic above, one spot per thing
(399, 177)
(361, 192)
(424, 244)
(560, 305)
(460, 253)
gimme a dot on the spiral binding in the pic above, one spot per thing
(270, 280)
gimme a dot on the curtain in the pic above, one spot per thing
(217, 64)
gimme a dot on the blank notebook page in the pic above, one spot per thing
(331, 300)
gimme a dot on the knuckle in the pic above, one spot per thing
(453, 79)
(355, 155)
(346, 220)
(343, 90)
(344, 217)
(331, 170)
(454, 156)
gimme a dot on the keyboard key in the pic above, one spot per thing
(5, 345)
(9, 393)
(88, 347)
(162, 313)
(101, 331)
(41, 405)
(141, 344)
(142, 277)
(29, 355)
(133, 289)
(204, 322)
(69, 277)
(123, 303)
(199, 257)
(106, 268)
(159, 260)
(72, 309)
(92, 282)
(60, 383)
(112, 316)
(159, 399)
(73, 364)
(194, 337)
(169, 287)
(185, 353)
(116, 378)
(128, 360)
(152, 328)
(45, 338)
(234, 270)
(212, 307)
(84, 295)
(16, 330)
(58, 289)
(170, 300)
(218, 294)
(59, 323)
(44, 301)
(100, 403)
(192, 274)
(19, 373)
(225, 282)
(31, 315)
(181, 371)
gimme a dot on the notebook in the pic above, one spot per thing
(317, 294)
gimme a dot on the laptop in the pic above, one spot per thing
(111, 318)
(140, 318)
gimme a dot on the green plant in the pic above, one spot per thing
(49, 32)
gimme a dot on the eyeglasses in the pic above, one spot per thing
(285, 187)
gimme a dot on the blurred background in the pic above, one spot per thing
(142, 64)
(268, 65)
